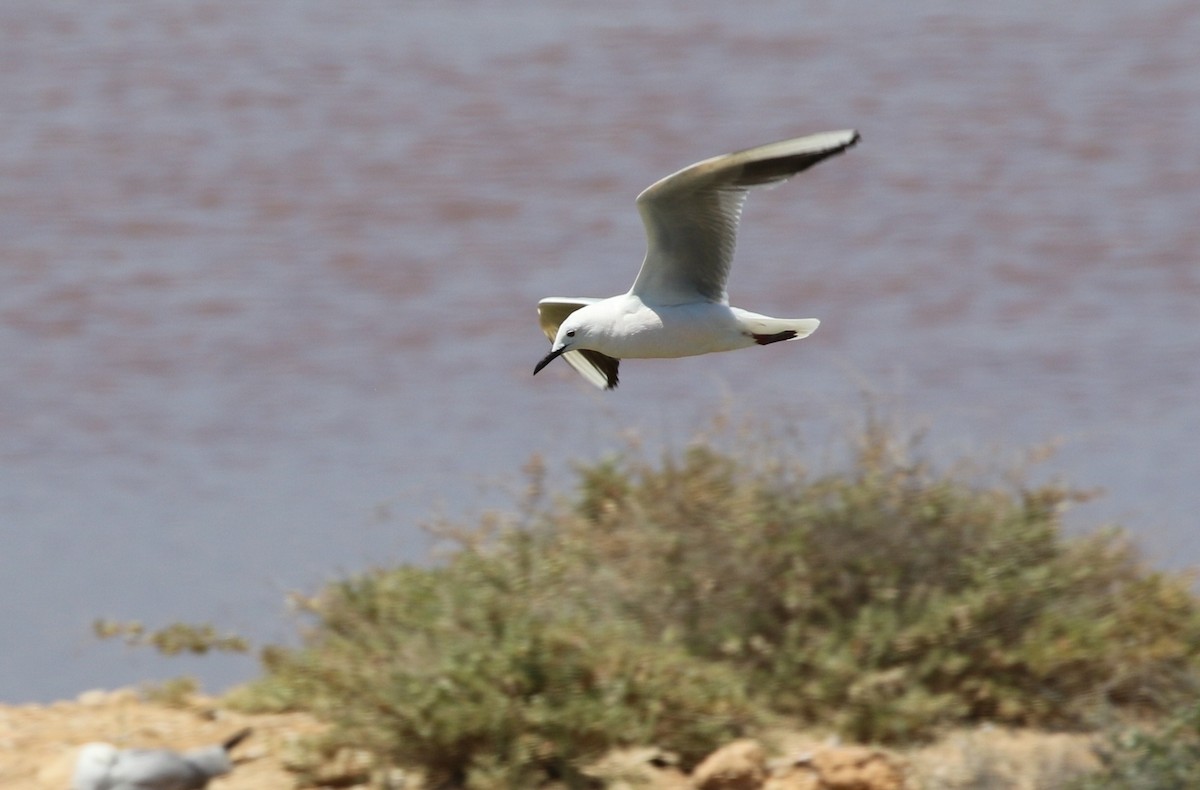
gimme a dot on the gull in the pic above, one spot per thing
(678, 305)
(102, 766)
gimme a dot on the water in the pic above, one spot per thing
(267, 271)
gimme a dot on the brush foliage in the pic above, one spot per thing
(680, 603)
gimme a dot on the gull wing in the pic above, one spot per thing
(691, 216)
(599, 369)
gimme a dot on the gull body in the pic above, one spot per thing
(102, 766)
(678, 305)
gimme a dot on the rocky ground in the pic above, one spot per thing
(38, 744)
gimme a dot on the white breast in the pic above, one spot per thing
(643, 332)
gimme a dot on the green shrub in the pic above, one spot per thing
(173, 639)
(1163, 757)
(886, 600)
(483, 675)
(173, 693)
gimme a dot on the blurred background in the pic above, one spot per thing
(268, 272)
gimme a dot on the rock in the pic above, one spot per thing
(841, 768)
(93, 698)
(644, 768)
(98, 698)
(858, 768)
(1000, 757)
(741, 765)
(797, 777)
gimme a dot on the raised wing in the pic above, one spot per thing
(691, 216)
(599, 369)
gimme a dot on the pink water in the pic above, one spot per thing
(267, 270)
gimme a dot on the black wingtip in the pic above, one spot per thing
(766, 340)
(610, 374)
(607, 365)
(765, 171)
(233, 740)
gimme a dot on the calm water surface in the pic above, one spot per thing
(267, 271)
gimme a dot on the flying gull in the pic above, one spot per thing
(678, 305)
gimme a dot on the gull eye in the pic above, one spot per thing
(571, 333)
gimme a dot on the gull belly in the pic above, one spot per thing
(642, 331)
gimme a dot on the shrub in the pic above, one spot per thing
(1162, 757)
(173, 639)
(886, 600)
(483, 675)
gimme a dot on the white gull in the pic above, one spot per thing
(102, 766)
(678, 305)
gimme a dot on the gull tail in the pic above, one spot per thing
(766, 330)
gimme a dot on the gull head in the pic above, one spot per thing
(571, 335)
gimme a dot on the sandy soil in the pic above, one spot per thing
(38, 744)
